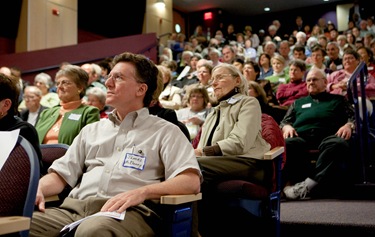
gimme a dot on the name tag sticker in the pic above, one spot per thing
(339, 67)
(74, 117)
(134, 161)
(233, 100)
(370, 68)
(282, 80)
(306, 105)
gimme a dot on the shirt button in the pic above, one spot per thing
(119, 149)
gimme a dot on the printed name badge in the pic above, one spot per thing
(306, 105)
(282, 80)
(233, 100)
(134, 161)
(339, 67)
(74, 117)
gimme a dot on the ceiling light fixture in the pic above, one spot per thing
(267, 9)
(160, 4)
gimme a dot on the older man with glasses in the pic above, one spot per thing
(32, 97)
(320, 121)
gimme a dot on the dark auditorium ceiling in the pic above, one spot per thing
(247, 7)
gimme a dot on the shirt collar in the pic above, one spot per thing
(134, 117)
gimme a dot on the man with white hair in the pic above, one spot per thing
(270, 48)
(301, 40)
(214, 55)
(32, 97)
(94, 71)
(272, 32)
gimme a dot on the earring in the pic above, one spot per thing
(236, 89)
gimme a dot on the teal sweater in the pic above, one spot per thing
(71, 125)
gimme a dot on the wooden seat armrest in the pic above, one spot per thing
(52, 198)
(12, 224)
(275, 152)
(167, 199)
(178, 199)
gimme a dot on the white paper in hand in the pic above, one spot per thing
(116, 215)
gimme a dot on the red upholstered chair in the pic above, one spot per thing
(244, 206)
(51, 152)
(18, 186)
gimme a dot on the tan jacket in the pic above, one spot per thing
(239, 129)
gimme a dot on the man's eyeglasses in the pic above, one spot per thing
(117, 78)
(29, 97)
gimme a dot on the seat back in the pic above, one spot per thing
(19, 179)
(249, 200)
(184, 129)
(272, 133)
(51, 152)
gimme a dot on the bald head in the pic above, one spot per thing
(6, 71)
(316, 81)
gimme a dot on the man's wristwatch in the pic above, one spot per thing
(352, 126)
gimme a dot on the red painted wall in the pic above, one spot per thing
(48, 60)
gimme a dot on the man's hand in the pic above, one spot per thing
(40, 201)
(333, 66)
(343, 85)
(195, 121)
(123, 201)
(289, 131)
(198, 152)
(345, 131)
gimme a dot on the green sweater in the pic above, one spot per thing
(71, 125)
(320, 115)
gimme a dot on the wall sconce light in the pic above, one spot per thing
(160, 4)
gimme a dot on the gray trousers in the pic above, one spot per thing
(49, 224)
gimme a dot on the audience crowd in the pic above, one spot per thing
(218, 87)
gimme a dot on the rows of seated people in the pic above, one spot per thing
(270, 56)
(275, 69)
(218, 88)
